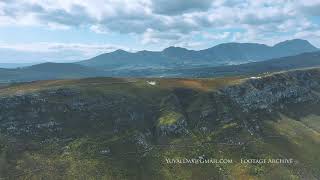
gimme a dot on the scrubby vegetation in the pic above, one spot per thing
(106, 128)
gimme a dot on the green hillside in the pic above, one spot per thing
(112, 128)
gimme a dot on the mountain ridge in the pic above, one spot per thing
(220, 54)
(304, 60)
(48, 71)
(118, 128)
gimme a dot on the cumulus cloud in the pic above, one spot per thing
(139, 15)
(179, 6)
(166, 39)
(311, 7)
(172, 22)
(153, 36)
(216, 36)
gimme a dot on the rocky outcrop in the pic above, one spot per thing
(50, 113)
(269, 92)
(172, 120)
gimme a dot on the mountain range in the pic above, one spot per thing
(221, 60)
(222, 54)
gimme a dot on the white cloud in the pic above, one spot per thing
(165, 39)
(217, 36)
(139, 15)
(57, 26)
(174, 22)
(313, 36)
(179, 6)
(311, 7)
(98, 29)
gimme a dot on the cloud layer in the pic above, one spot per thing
(160, 23)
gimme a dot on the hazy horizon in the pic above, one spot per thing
(29, 63)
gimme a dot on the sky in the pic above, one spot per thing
(71, 30)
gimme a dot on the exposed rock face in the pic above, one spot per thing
(267, 92)
(176, 128)
(172, 120)
(50, 112)
(27, 114)
(142, 142)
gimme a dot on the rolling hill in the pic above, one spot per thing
(46, 71)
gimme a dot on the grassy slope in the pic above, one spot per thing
(81, 158)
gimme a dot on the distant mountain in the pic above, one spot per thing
(46, 71)
(68, 70)
(304, 60)
(123, 59)
(223, 54)
(15, 65)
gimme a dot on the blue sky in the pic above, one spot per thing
(68, 30)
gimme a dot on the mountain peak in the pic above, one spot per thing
(237, 44)
(295, 42)
(120, 51)
(295, 45)
(174, 48)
